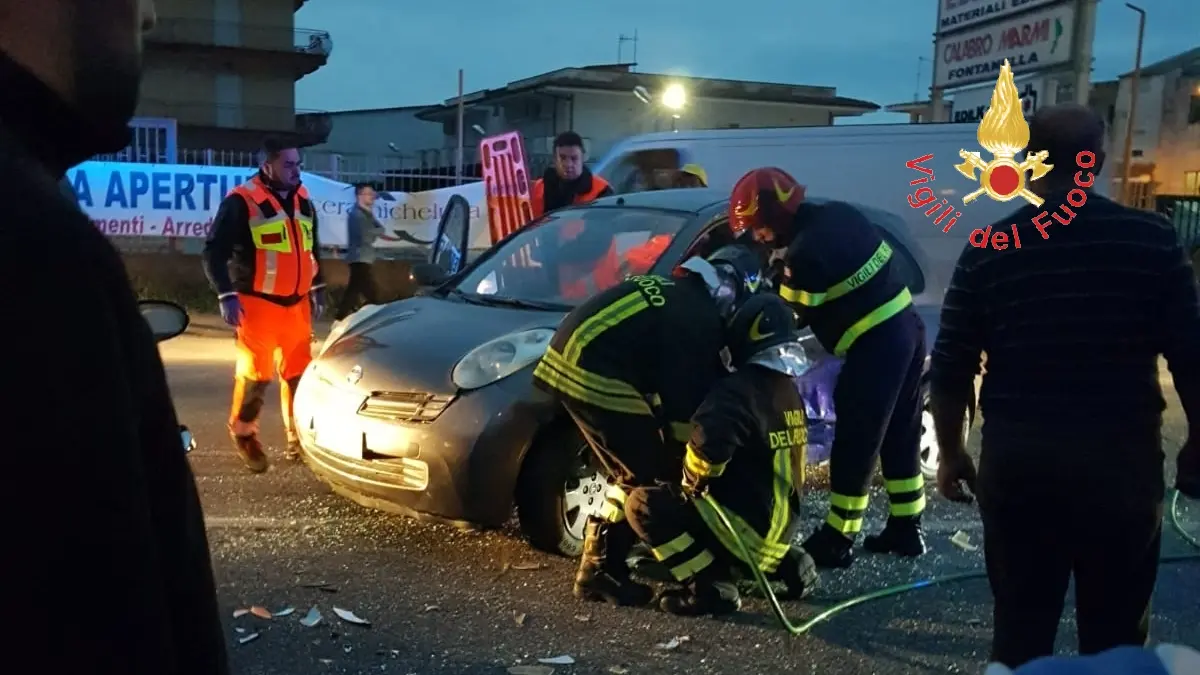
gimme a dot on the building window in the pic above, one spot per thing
(1191, 182)
(1194, 110)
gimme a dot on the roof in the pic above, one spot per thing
(1188, 62)
(620, 78)
(693, 200)
(398, 108)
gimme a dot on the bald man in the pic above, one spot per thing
(1070, 479)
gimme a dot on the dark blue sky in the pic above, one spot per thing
(388, 53)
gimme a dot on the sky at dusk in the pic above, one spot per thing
(388, 53)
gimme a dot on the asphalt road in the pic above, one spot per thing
(441, 600)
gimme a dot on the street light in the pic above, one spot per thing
(1133, 97)
(674, 97)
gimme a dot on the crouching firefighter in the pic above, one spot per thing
(261, 259)
(631, 365)
(746, 455)
(840, 277)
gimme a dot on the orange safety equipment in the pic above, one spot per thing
(284, 262)
(764, 199)
(614, 267)
(270, 337)
(598, 188)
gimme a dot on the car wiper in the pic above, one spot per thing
(519, 303)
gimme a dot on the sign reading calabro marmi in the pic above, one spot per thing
(958, 14)
(1030, 42)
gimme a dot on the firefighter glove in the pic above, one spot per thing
(231, 310)
(316, 298)
(1187, 478)
(694, 484)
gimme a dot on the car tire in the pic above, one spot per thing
(930, 452)
(559, 487)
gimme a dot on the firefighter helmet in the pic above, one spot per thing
(733, 273)
(764, 331)
(764, 202)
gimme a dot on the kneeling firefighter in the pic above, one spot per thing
(747, 454)
(631, 365)
(839, 276)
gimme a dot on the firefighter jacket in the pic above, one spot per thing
(646, 346)
(749, 439)
(840, 275)
(264, 244)
(551, 192)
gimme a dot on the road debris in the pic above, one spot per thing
(312, 618)
(347, 648)
(673, 643)
(563, 660)
(326, 662)
(260, 612)
(284, 612)
(248, 638)
(239, 613)
(350, 617)
(531, 670)
(963, 540)
(519, 618)
(618, 670)
(583, 618)
(528, 566)
(432, 608)
(239, 629)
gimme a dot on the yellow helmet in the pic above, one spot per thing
(697, 171)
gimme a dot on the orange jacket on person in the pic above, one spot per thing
(550, 192)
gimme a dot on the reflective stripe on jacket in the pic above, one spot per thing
(284, 263)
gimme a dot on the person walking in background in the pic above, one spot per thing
(105, 512)
(1070, 479)
(362, 230)
(262, 260)
(568, 181)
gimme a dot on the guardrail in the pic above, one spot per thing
(242, 36)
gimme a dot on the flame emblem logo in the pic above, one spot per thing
(1004, 133)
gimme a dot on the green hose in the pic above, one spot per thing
(765, 587)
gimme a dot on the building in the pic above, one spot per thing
(598, 102)
(222, 74)
(1166, 134)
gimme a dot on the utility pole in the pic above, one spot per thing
(458, 152)
(621, 40)
(917, 89)
(1127, 155)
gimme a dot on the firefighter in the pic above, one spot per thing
(568, 181)
(746, 453)
(262, 260)
(691, 176)
(839, 276)
(631, 365)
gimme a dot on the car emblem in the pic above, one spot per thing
(354, 375)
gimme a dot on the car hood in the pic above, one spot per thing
(412, 345)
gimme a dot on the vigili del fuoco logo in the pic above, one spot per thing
(1003, 134)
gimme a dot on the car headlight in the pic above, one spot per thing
(497, 359)
(339, 328)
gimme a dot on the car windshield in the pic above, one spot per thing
(572, 254)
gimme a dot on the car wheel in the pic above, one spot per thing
(560, 487)
(930, 451)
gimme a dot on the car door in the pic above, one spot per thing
(449, 250)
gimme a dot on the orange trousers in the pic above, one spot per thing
(271, 339)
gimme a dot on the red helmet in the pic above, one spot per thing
(764, 201)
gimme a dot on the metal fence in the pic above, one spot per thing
(235, 34)
(1184, 213)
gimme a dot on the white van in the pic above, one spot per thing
(861, 164)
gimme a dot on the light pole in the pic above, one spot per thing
(674, 98)
(1127, 154)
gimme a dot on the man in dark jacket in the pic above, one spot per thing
(110, 563)
(362, 229)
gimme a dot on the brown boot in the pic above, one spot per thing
(603, 573)
(243, 423)
(251, 451)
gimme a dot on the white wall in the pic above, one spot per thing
(1161, 129)
(1147, 123)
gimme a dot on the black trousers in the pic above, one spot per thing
(1035, 540)
(676, 534)
(878, 404)
(361, 285)
(631, 449)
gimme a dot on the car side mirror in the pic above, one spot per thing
(166, 319)
(428, 274)
(189, 441)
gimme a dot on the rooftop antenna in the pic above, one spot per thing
(621, 40)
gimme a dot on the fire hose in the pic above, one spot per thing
(1172, 517)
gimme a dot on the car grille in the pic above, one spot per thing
(401, 406)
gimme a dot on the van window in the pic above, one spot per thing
(643, 170)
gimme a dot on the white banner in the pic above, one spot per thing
(958, 14)
(1030, 42)
(176, 200)
(970, 105)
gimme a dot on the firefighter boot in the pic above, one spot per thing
(603, 571)
(799, 573)
(243, 423)
(287, 399)
(902, 536)
(709, 592)
(830, 548)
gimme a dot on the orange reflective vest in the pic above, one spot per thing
(538, 198)
(284, 264)
(602, 275)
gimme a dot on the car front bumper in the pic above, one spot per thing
(460, 468)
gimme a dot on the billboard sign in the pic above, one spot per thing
(970, 105)
(1029, 42)
(954, 15)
